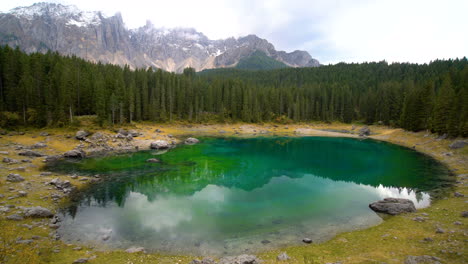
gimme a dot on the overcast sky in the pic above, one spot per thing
(330, 30)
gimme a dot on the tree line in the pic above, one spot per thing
(51, 90)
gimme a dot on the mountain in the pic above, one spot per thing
(259, 61)
(97, 37)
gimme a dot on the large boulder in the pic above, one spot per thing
(191, 141)
(458, 144)
(242, 259)
(30, 153)
(393, 206)
(14, 178)
(82, 134)
(75, 154)
(37, 212)
(160, 144)
(365, 131)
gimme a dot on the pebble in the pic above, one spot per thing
(307, 240)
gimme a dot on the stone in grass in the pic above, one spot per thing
(15, 217)
(440, 230)
(241, 259)
(283, 257)
(307, 240)
(422, 259)
(203, 261)
(457, 194)
(464, 214)
(37, 212)
(12, 177)
(80, 260)
(30, 153)
(81, 135)
(135, 250)
(458, 144)
(393, 206)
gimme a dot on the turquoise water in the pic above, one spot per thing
(234, 195)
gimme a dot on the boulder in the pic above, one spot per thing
(191, 141)
(122, 132)
(422, 259)
(133, 133)
(9, 160)
(30, 153)
(82, 134)
(12, 177)
(15, 217)
(203, 261)
(37, 212)
(393, 206)
(75, 154)
(97, 136)
(307, 240)
(52, 158)
(241, 259)
(64, 186)
(39, 145)
(283, 257)
(153, 160)
(458, 144)
(365, 131)
(43, 134)
(135, 250)
(159, 144)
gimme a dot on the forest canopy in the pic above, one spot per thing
(51, 90)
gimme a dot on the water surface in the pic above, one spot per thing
(234, 195)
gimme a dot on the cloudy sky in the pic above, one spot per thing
(330, 30)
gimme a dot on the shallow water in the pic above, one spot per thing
(232, 195)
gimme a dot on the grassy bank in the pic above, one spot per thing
(390, 242)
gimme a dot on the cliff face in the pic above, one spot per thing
(93, 36)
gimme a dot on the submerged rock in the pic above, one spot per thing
(393, 206)
(242, 259)
(159, 144)
(37, 212)
(153, 160)
(191, 141)
(12, 177)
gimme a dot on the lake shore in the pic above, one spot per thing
(392, 241)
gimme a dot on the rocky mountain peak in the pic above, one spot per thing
(96, 37)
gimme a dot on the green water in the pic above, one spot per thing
(234, 195)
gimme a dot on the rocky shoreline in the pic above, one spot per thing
(27, 192)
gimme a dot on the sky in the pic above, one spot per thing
(332, 31)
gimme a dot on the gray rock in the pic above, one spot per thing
(464, 214)
(458, 144)
(25, 241)
(37, 212)
(283, 257)
(39, 145)
(82, 134)
(160, 144)
(133, 133)
(393, 206)
(80, 260)
(30, 153)
(43, 134)
(65, 186)
(457, 223)
(45, 173)
(203, 261)
(440, 230)
(307, 240)
(9, 160)
(420, 219)
(135, 250)
(75, 154)
(4, 152)
(242, 259)
(365, 131)
(153, 160)
(22, 194)
(12, 177)
(457, 194)
(191, 141)
(15, 217)
(422, 259)
(97, 136)
(52, 158)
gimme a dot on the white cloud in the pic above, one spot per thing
(331, 30)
